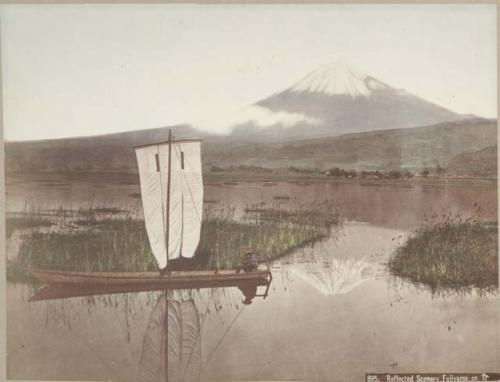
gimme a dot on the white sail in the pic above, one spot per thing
(192, 197)
(172, 204)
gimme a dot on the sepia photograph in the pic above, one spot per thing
(250, 192)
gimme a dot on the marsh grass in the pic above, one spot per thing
(96, 242)
(13, 223)
(108, 210)
(281, 197)
(117, 245)
(271, 230)
(320, 215)
(450, 255)
(223, 242)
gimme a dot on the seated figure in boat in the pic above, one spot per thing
(248, 263)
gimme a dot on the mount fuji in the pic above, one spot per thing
(334, 117)
(337, 99)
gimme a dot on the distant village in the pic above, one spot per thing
(338, 172)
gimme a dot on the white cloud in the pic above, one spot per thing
(260, 116)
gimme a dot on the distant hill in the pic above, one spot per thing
(111, 152)
(338, 99)
(477, 163)
(443, 145)
(412, 148)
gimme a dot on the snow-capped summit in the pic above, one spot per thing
(337, 99)
(338, 78)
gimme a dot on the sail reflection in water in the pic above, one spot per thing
(172, 344)
(168, 345)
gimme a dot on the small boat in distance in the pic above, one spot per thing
(172, 197)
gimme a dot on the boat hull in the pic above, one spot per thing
(62, 284)
(189, 279)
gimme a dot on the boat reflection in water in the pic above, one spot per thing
(172, 343)
(171, 346)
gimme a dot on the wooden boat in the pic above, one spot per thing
(55, 291)
(184, 279)
(172, 199)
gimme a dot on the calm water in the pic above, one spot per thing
(332, 312)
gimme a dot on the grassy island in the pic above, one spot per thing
(450, 255)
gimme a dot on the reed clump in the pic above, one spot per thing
(95, 242)
(22, 222)
(114, 245)
(450, 254)
(271, 231)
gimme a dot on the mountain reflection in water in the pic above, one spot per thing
(333, 277)
(337, 266)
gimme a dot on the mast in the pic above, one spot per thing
(182, 223)
(166, 334)
(167, 234)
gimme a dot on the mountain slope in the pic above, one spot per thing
(411, 148)
(111, 152)
(341, 99)
(452, 144)
(414, 148)
(477, 163)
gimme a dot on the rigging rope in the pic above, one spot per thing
(201, 326)
(222, 338)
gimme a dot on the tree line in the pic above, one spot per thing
(336, 172)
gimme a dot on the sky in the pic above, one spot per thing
(84, 70)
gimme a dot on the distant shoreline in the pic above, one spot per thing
(225, 177)
(312, 178)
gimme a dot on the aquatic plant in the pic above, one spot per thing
(281, 197)
(22, 222)
(93, 241)
(112, 245)
(450, 254)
